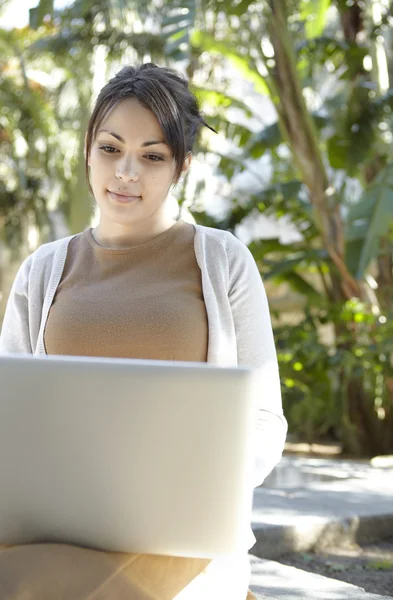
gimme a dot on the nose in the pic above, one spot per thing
(127, 170)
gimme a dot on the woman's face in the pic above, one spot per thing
(131, 167)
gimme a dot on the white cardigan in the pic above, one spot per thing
(239, 326)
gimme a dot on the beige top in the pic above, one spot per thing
(141, 302)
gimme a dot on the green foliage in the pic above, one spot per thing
(28, 150)
(380, 565)
(315, 376)
(176, 24)
(243, 64)
(344, 57)
(314, 14)
(219, 100)
(63, 41)
(37, 14)
(310, 404)
(323, 382)
(369, 221)
(270, 137)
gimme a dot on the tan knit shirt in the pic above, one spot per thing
(140, 302)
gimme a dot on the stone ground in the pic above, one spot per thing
(367, 566)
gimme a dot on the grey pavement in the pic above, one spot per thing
(309, 504)
(273, 581)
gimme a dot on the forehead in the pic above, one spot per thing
(130, 119)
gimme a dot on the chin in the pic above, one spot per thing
(126, 217)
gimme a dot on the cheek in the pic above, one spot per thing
(99, 167)
(160, 179)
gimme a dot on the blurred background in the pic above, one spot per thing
(301, 94)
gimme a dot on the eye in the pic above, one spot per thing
(108, 149)
(154, 157)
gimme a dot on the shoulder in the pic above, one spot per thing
(230, 244)
(224, 251)
(220, 236)
(44, 258)
(47, 255)
(49, 250)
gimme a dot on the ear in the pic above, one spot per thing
(187, 163)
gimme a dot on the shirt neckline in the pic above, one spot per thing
(131, 249)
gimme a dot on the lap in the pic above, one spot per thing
(64, 572)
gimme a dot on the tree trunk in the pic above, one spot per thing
(351, 17)
(363, 433)
(299, 131)
(371, 438)
(385, 276)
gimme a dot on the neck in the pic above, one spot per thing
(115, 235)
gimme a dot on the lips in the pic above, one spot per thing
(124, 198)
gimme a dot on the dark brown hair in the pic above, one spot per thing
(165, 92)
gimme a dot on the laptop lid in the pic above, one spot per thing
(126, 455)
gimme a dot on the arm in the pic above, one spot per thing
(15, 334)
(256, 349)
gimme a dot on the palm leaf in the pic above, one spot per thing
(176, 24)
(270, 137)
(217, 99)
(283, 267)
(369, 221)
(243, 64)
(298, 284)
(37, 14)
(261, 248)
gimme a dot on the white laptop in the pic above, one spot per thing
(126, 455)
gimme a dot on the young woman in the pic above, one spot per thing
(141, 285)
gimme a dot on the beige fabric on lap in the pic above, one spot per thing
(63, 572)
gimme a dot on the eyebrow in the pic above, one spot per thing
(118, 137)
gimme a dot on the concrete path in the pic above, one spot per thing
(349, 502)
(308, 504)
(273, 581)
